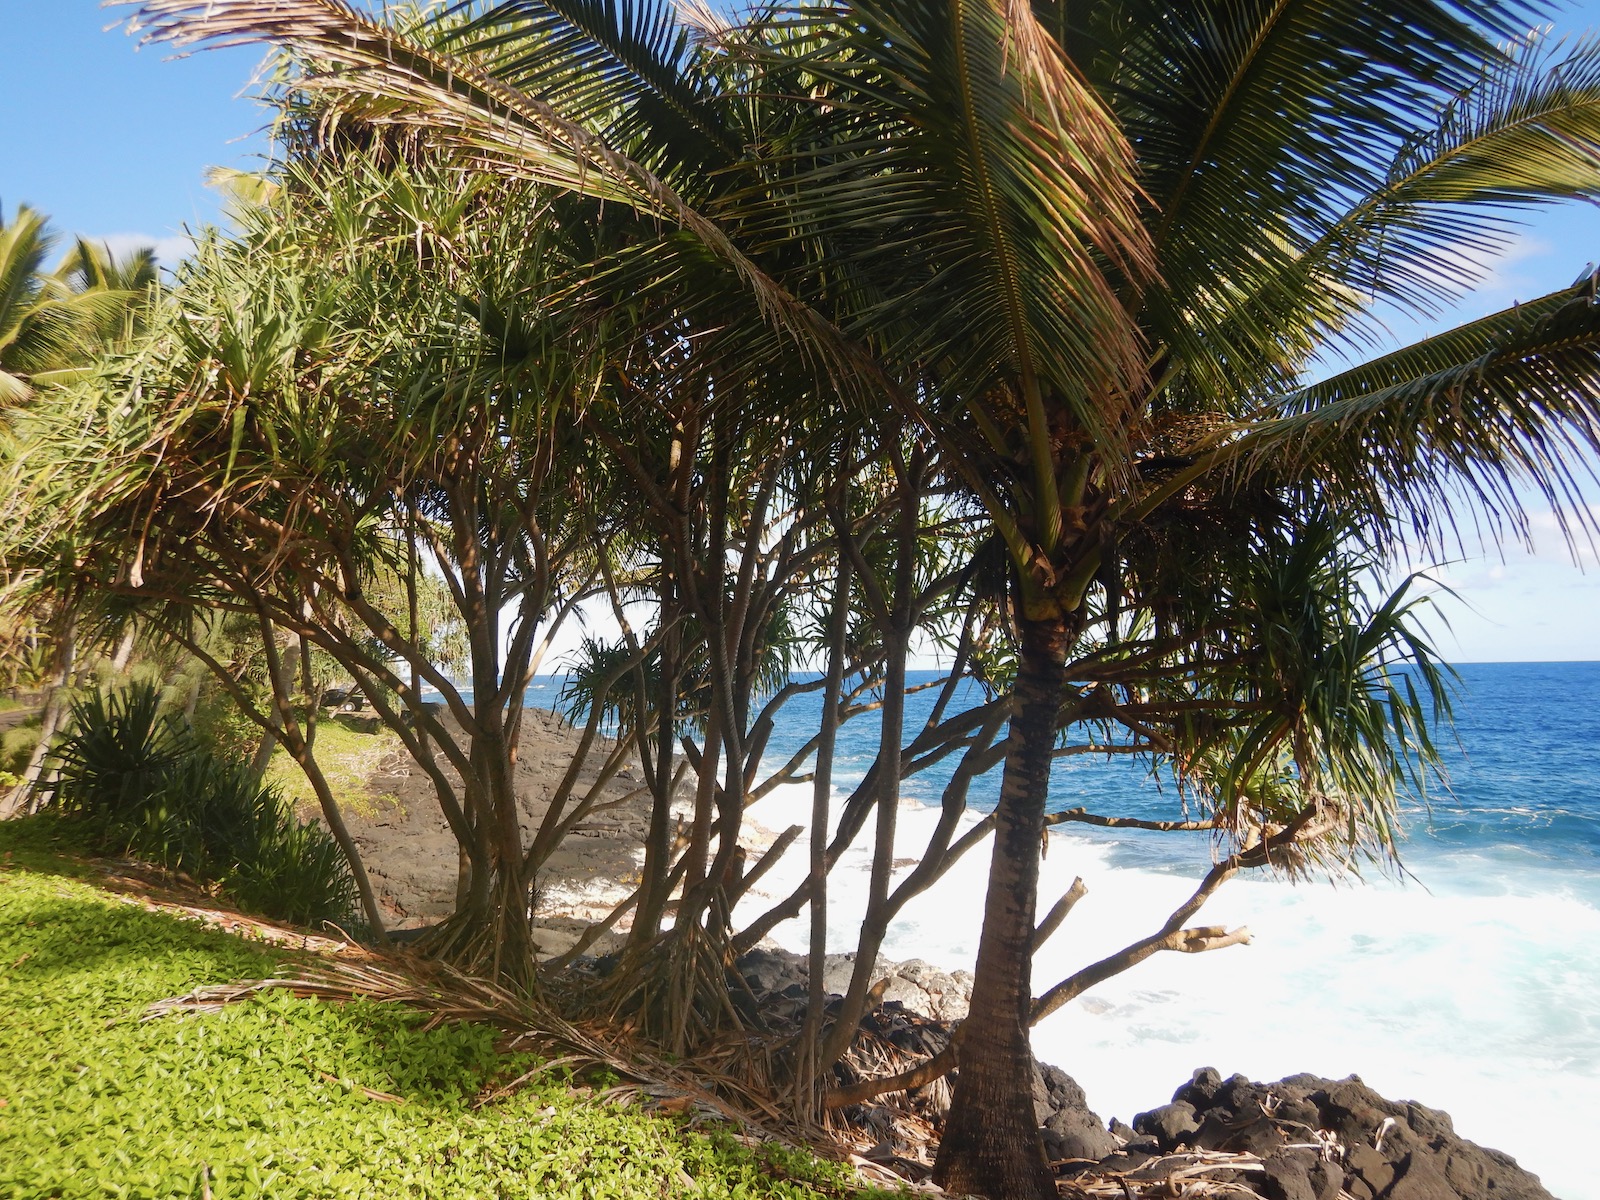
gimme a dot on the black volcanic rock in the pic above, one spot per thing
(1201, 1089)
(1286, 1177)
(1314, 1138)
(1374, 1148)
(1171, 1124)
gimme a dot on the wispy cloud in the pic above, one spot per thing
(169, 250)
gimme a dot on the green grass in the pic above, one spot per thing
(349, 757)
(265, 1098)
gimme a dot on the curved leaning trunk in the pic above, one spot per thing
(991, 1143)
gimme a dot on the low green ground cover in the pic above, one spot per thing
(272, 1097)
(350, 750)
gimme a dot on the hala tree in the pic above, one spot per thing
(325, 401)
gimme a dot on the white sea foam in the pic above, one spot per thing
(1474, 998)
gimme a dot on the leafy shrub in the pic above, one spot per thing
(111, 766)
(222, 726)
(298, 873)
(145, 785)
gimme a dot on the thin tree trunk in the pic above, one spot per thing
(283, 688)
(319, 784)
(808, 1077)
(30, 790)
(661, 775)
(875, 922)
(991, 1143)
(124, 651)
(896, 615)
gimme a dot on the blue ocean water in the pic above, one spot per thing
(1522, 802)
(1470, 981)
(1523, 809)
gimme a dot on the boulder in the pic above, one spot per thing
(1327, 1179)
(1077, 1133)
(1172, 1124)
(1243, 1132)
(1201, 1090)
(1285, 1177)
(945, 995)
(771, 972)
(1382, 1149)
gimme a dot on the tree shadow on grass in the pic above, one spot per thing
(46, 939)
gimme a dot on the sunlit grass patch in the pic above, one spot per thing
(285, 1097)
(350, 753)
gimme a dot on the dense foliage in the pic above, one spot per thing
(143, 784)
(823, 336)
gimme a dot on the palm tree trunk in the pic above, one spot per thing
(991, 1142)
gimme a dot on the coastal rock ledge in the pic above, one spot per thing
(1301, 1138)
(1319, 1137)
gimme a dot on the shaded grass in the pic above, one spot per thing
(285, 1097)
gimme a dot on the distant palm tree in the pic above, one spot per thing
(53, 323)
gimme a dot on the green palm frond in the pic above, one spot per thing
(53, 324)
(365, 69)
(24, 246)
(91, 267)
(1500, 406)
(937, 127)
(625, 69)
(1527, 133)
(1258, 124)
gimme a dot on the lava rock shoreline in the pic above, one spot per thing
(1299, 1138)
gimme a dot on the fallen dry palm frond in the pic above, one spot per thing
(1189, 1175)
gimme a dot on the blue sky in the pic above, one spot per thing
(113, 142)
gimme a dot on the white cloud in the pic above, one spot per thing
(1523, 603)
(169, 250)
(1502, 274)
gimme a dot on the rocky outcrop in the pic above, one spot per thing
(1316, 1137)
(1301, 1138)
(915, 985)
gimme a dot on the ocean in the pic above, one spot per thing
(1470, 982)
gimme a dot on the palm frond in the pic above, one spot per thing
(24, 245)
(1482, 415)
(1527, 133)
(623, 68)
(964, 129)
(1258, 123)
(364, 69)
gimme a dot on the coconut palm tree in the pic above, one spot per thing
(1091, 253)
(52, 323)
